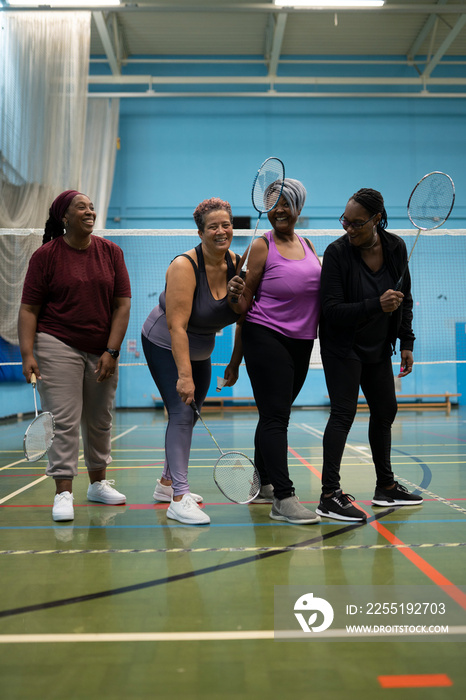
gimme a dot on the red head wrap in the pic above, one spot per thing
(61, 203)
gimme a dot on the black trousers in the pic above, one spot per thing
(344, 377)
(277, 367)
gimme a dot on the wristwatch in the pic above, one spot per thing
(114, 353)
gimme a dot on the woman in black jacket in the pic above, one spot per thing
(362, 318)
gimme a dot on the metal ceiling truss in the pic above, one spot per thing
(420, 83)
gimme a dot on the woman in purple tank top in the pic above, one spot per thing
(281, 303)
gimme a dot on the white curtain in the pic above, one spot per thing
(99, 154)
(50, 138)
(43, 82)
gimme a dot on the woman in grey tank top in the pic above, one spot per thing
(178, 338)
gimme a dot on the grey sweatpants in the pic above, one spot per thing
(70, 391)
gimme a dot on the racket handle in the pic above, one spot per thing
(195, 408)
(398, 287)
(242, 274)
(33, 379)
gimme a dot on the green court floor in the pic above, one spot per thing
(123, 603)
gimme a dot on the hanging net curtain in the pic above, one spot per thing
(52, 138)
(43, 81)
(100, 154)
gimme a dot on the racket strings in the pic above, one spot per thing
(268, 185)
(237, 477)
(39, 437)
(431, 201)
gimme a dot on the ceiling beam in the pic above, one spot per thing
(284, 95)
(152, 80)
(446, 43)
(423, 34)
(104, 34)
(277, 41)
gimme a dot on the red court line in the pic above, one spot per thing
(428, 680)
(439, 579)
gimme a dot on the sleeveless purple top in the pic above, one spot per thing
(287, 299)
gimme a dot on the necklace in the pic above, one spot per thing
(77, 247)
(368, 247)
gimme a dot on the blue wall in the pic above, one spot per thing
(174, 153)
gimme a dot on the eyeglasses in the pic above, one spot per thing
(346, 224)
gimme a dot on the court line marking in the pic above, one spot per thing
(24, 488)
(252, 558)
(429, 571)
(424, 567)
(202, 550)
(227, 635)
(423, 680)
(440, 499)
(414, 458)
(319, 433)
(42, 478)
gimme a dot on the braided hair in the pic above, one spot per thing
(53, 229)
(373, 202)
(54, 226)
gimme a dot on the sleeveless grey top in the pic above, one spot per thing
(208, 315)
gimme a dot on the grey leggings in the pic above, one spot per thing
(181, 418)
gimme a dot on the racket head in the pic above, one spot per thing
(39, 437)
(431, 201)
(237, 477)
(268, 185)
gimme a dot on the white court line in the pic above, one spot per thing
(358, 450)
(42, 478)
(117, 437)
(13, 464)
(25, 488)
(362, 452)
(130, 430)
(208, 636)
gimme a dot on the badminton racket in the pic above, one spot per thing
(40, 433)
(266, 191)
(234, 473)
(429, 206)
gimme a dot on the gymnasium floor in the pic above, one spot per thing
(125, 604)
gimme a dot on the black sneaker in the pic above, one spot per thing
(340, 507)
(398, 496)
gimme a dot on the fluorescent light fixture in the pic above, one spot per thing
(62, 3)
(334, 4)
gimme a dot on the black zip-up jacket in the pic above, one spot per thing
(343, 307)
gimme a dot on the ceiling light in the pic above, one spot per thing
(333, 4)
(62, 3)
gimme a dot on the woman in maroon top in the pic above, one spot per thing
(72, 320)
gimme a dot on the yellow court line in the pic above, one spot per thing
(227, 635)
(231, 550)
(25, 488)
(42, 478)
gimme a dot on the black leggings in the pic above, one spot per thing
(343, 379)
(277, 367)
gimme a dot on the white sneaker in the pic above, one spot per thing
(63, 506)
(187, 511)
(103, 492)
(165, 493)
